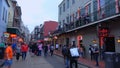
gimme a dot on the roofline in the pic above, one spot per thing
(7, 3)
(61, 3)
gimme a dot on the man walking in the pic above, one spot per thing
(24, 49)
(8, 56)
(74, 55)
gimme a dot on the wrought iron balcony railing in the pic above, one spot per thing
(106, 11)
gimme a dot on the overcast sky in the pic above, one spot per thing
(35, 12)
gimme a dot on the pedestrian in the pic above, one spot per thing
(63, 51)
(91, 51)
(40, 49)
(96, 54)
(2, 50)
(18, 51)
(51, 49)
(81, 51)
(14, 44)
(45, 50)
(67, 56)
(57, 46)
(32, 49)
(24, 49)
(74, 55)
(8, 56)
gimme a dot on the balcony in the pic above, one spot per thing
(108, 11)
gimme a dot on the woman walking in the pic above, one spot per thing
(18, 51)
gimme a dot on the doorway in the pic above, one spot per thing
(109, 44)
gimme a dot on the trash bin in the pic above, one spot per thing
(109, 59)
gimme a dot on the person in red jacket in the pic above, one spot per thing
(24, 49)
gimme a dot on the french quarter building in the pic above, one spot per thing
(4, 8)
(86, 22)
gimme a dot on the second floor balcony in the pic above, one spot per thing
(108, 11)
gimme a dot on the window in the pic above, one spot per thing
(67, 3)
(3, 13)
(70, 18)
(73, 1)
(60, 24)
(82, 11)
(60, 10)
(67, 19)
(63, 21)
(64, 7)
(88, 9)
(6, 16)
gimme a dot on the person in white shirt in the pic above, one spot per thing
(57, 46)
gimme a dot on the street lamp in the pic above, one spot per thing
(118, 40)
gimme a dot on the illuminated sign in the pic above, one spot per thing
(13, 35)
(103, 32)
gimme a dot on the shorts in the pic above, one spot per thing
(8, 62)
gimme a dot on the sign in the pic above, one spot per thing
(103, 32)
(74, 52)
(6, 34)
(13, 35)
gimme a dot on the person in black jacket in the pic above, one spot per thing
(73, 60)
(45, 50)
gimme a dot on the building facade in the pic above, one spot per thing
(4, 9)
(90, 21)
(15, 21)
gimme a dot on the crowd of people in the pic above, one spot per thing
(72, 61)
(8, 50)
(71, 53)
(39, 48)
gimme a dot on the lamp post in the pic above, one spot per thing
(118, 40)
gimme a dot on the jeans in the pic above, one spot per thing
(17, 56)
(96, 59)
(67, 62)
(39, 53)
(24, 55)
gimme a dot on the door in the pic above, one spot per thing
(109, 44)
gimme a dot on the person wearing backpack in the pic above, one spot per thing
(51, 49)
(74, 57)
(64, 52)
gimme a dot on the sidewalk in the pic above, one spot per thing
(84, 61)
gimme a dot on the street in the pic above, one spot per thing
(41, 62)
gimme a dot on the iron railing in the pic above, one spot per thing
(106, 11)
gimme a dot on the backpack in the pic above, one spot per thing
(64, 50)
(51, 47)
(74, 52)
